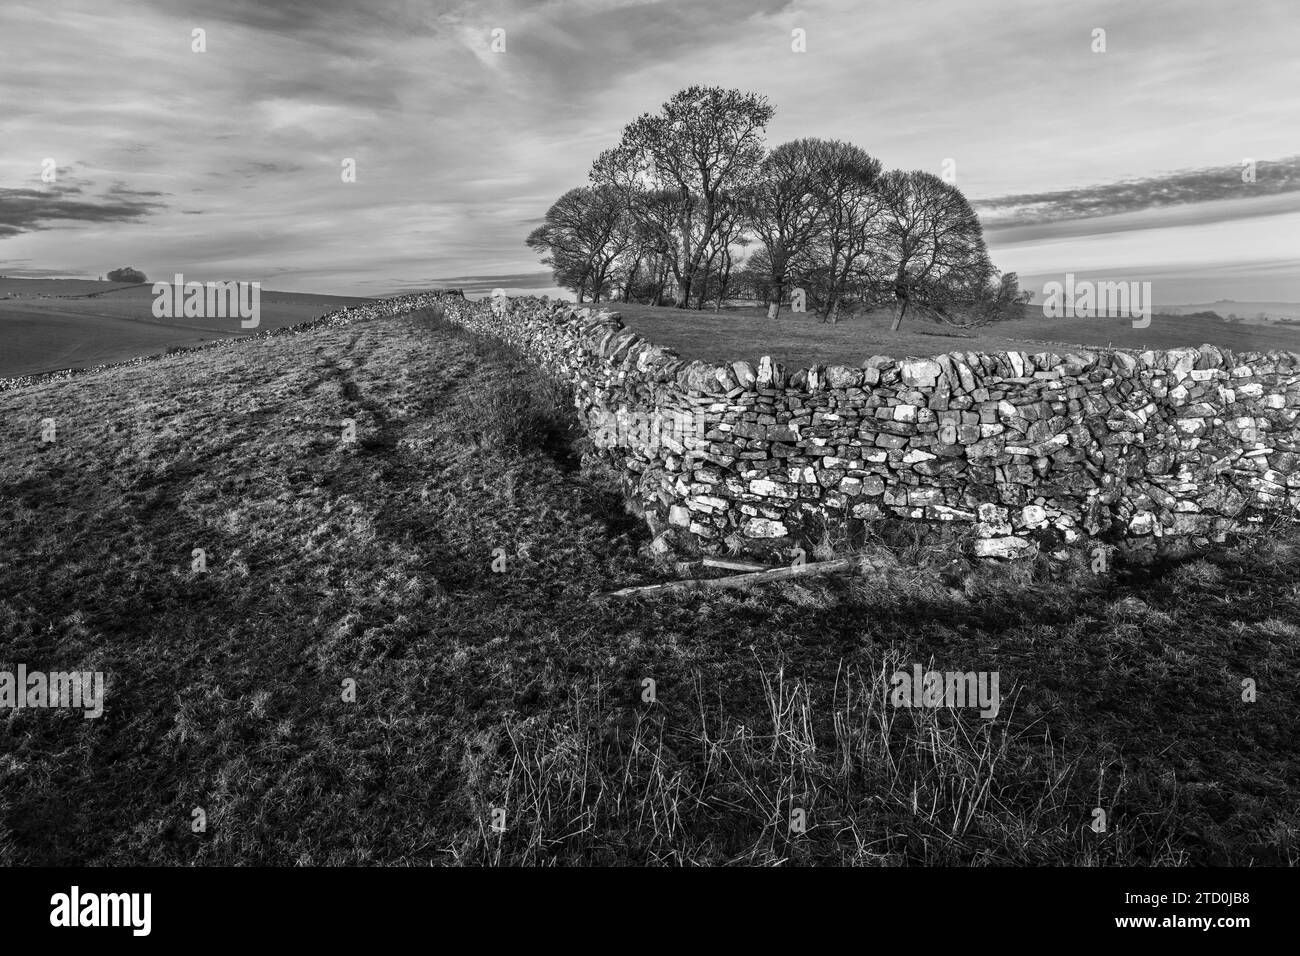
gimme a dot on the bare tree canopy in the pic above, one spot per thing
(704, 143)
(933, 242)
(847, 180)
(786, 209)
(582, 236)
(673, 206)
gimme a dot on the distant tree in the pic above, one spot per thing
(846, 179)
(732, 241)
(582, 236)
(675, 204)
(568, 269)
(1009, 298)
(999, 300)
(704, 142)
(715, 279)
(638, 263)
(755, 278)
(127, 274)
(933, 245)
(655, 213)
(786, 210)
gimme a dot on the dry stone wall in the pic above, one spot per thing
(1021, 451)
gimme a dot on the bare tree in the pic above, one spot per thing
(719, 258)
(851, 223)
(703, 143)
(932, 243)
(785, 209)
(582, 236)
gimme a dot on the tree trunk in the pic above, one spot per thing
(724, 282)
(900, 299)
(900, 310)
(683, 292)
(774, 301)
(832, 293)
(631, 280)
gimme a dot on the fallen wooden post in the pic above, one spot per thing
(738, 580)
(735, 564)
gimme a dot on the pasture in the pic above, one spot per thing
(49, 324)
(799, 340)
(480, 688)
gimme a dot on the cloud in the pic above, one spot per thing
(1270, 178)
(460, 151)
(58, 204)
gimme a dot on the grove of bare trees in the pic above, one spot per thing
(690, 209)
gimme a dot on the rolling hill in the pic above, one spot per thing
(351, 677)
(48, 324)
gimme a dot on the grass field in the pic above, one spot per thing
(799, 340)
(372, 561)
(48, 324)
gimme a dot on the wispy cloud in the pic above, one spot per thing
(1248, 180)
(61, 204)
(232, 157)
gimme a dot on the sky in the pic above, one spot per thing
(228, 163)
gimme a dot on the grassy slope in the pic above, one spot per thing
(476, 689)
(800, 339)
(68, 323)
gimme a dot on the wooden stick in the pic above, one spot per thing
(738, 580)
(735, 564)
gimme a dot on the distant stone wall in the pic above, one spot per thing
(1024, 451)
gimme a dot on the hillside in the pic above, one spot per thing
(48, 324)
(372, 561)
(1248, 312)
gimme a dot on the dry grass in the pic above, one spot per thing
(372, 561)
(855, 783)
(799, 340)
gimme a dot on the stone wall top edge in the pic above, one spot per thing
(696, 372)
